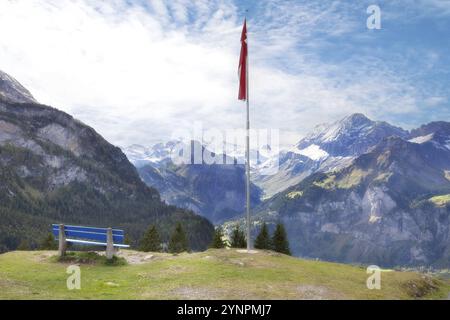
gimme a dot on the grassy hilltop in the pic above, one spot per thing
(214, 274)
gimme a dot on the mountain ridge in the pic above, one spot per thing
(329, 147)
(215, 191)
(389, 207)
(55, 169)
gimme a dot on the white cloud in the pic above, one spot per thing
(435, 101)
(135, 73)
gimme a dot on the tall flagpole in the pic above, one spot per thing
(248, 150)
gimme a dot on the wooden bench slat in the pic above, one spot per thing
(105, 237)
(117, 232)
(85, 242)
(90, 236)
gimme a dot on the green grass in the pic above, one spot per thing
(347, 181)
(89, 258)
(441, 201)
(214, 274)
(295, 194)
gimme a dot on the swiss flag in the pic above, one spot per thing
(243, 64)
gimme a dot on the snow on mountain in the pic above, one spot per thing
(13, 91)
(140, 155)
(162, 152)
(350, 136)
(328, 147)
(215, 191)
(436, 133)
(313, 152)
(422, 139)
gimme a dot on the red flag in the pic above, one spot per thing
(243, 64)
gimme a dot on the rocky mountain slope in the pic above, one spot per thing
(11, 90)
(55, 169)
(329, 147)
(216, 191)
(390, 207)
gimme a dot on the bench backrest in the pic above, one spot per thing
(88, 233)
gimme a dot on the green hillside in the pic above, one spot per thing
(214, 274)
(55, 169)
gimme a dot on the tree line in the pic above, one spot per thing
(278, 242)
(151, 241)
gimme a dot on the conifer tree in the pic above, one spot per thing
(217, 241)
(263, 239)
(238, 239)
(151, 241)
(280, 242)
(178, 241)
(48, 243)
(24, 246)
(127, 240)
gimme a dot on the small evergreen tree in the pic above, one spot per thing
(24, 246)
(127, 240)
(263, 239)
(280, 242)
(151, 241)
(178, 241)
(48, 243)
(217, 241)
(238, 239)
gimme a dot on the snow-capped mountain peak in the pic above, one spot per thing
(140, 155)
(350, 136)
(328, 147)
(314, 152)
(436, 133)
(13, 91)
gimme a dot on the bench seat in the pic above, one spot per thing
(93, 243)
(112, 239)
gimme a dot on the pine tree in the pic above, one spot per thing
(127, 240)
(48, 243)
(279, 240)
(217, 241)
(178, 241)
(238, 239)
(263, 239)
(151, 241)
(24, 246)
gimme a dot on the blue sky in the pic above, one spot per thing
(135, 70)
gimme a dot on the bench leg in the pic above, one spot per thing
(62, 241)
(109, 244)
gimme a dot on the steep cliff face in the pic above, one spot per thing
(328, 148)
(56, 169)
(215, 191)
(11, 90)
(390, 207)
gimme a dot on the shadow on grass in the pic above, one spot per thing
(92, 258)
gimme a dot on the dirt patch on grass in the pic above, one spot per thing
(42, 256)
(138, 257)
(207, 293)
(312, 292)
(13, 288)
(196, 293)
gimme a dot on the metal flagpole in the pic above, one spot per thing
(248, 149)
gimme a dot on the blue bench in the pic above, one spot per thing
(110, 238)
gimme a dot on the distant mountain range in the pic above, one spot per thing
(355, 190)
(327, 148)
(55, 169)
(377, 194)
(216, 192)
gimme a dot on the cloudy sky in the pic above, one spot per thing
(138, 70)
